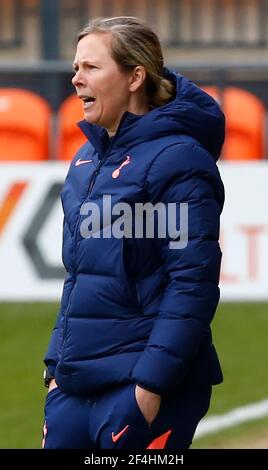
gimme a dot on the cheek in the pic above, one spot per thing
(119, 94)
(118, 88)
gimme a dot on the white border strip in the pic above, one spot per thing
(232, 418)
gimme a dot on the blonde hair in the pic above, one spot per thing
(133, 44)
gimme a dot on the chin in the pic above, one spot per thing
(89, 119)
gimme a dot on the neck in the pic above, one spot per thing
(139, 105)
(135, 107)
(111, 133)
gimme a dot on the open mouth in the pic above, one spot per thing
(87, 100)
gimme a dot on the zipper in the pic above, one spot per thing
(91, 184)
(94, 177)
(104, 158)
(138, 295)
(97, 170)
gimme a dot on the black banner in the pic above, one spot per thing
(129, 459)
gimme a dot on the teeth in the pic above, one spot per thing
(88, 104)
(88, 99)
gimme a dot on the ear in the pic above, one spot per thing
(137, 78)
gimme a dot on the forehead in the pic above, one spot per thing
(95, 47)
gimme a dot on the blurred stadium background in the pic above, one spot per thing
(222, 45)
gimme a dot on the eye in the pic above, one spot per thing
(90, 66)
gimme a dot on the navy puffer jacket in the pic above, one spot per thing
(132, 309)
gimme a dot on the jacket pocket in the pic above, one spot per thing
(140, 413)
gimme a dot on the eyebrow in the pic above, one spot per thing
(85, 61)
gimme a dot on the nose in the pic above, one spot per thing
(77, 79)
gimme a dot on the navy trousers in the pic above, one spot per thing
(113, 420)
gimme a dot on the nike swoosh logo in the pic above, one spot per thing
(117, 436)
(81, 162)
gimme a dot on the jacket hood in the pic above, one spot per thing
(192, 112)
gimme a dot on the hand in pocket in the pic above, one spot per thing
(148, 403)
